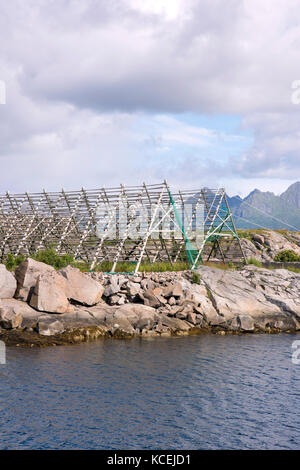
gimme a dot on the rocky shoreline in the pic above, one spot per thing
(40, 306)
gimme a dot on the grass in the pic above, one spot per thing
(49, 256)
(223, 266)
(255, 262)
(294, 270)
(243, 234)
(126, 267)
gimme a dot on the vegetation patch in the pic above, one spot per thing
(49, 256)
(287, 256)
(255, 262)
(13, 261)
(196, 278)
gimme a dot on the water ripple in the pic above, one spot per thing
(206, 392)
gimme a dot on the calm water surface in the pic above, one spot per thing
(205, 392)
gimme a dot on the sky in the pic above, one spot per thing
(197, 92)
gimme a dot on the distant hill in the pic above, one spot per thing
(285, 208)
(292, 195)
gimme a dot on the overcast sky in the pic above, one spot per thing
(103, 92)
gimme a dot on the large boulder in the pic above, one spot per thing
(101, 312)
(203, 304)
(175, 324)
(231, 294)
(82, 288)
(8, 283)
(250, 250)
(120, 322)
(133, 288)
(25, 316)
(113, 287)
(140, 316)
(258, 238)
(81, 317)
(151, 299)
(9, 320)
(280, 288)
(50, 294)
(277, 242)
(10, 313)
(26, 274)
(242, 323)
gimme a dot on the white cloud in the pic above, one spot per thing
(80, 75)
(171, 9)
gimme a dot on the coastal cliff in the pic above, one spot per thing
(41, 306)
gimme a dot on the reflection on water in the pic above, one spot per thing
(209, 392)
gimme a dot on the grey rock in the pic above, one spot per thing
(192, 318)
(258, 238)
(114, 299)
(214, 319)
(80, 287)
(122, 300)
(173, 290)
(99, 313)
(278, 242)
(279, 322)
(175, 324)
(162, 330)
(119, 322)
(18, 308)
(50, 294)
(232, 294)
(26, 274)
(133, 288)
(112, 288)
(251, 251)
(8, 283)
(182, 315)
(10, 319)
(246, 323)
(149, 333)
(147, 284)
(151, 299)
(139, 316)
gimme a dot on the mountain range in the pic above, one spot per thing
(267, 210)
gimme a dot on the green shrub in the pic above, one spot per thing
(196, 278)
(13, 261)
(231, 265)
(287, 256)
(49, 256)
(243, 234)
(255, 262)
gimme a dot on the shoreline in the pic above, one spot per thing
(25, 339)
(40, 306)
